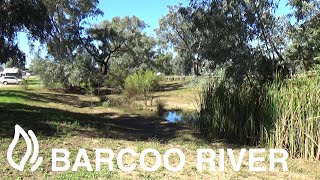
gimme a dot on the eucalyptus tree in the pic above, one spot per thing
(117, 38)
(176, 31)
(244, 36)
(181, 66)
(305, 33)
(163, 62)
(15, 16)
(69, 19)
(304, 9)
(15, 62)
(305, 47)
(140, 56)
(67, 60)
(70, 75)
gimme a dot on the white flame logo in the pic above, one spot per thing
(34, 159)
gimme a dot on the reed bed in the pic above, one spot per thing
(295, 106)
(283, 114)
(229, 113)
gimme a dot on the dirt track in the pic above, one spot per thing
(6, 86)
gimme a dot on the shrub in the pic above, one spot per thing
(108, 102)
(116, 76)
(140, 84)
(160, 107)
(89, 89)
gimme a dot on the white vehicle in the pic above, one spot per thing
(9, 80)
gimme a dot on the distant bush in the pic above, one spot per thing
(109, 102)
(106, 104)
(67, 75)
(140, 84)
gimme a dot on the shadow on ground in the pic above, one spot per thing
(170, 87)
(68, 99)
(53, 122)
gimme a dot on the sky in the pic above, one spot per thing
(150, 11)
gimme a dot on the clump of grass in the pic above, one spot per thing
(105, 102)
(108, 102)
(24, 84)
(160, 107)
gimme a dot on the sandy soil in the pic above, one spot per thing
(9, 85)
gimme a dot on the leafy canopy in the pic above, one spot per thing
(16, 16)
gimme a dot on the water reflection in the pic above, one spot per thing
(173, 117)
(189, 119)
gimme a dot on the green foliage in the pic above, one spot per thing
(16, 16)
(126, 63)
(248, 38)
(116, 77)
(304, 9)
(181, 66)
(140, 84)
(230, 29)
(177, 31)
(121, 38)
(304, 49)
(15, 62)
(163, 63)
(69, 65)
(70, 20)
(67, 75)
(48, 72)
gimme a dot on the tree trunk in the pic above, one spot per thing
(104, 68)
(195, 66)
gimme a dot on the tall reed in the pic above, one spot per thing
(283, 114)
(229, 112)
(295, 106)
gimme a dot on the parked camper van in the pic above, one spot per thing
(16, 72)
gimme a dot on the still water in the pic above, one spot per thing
(189, 119)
